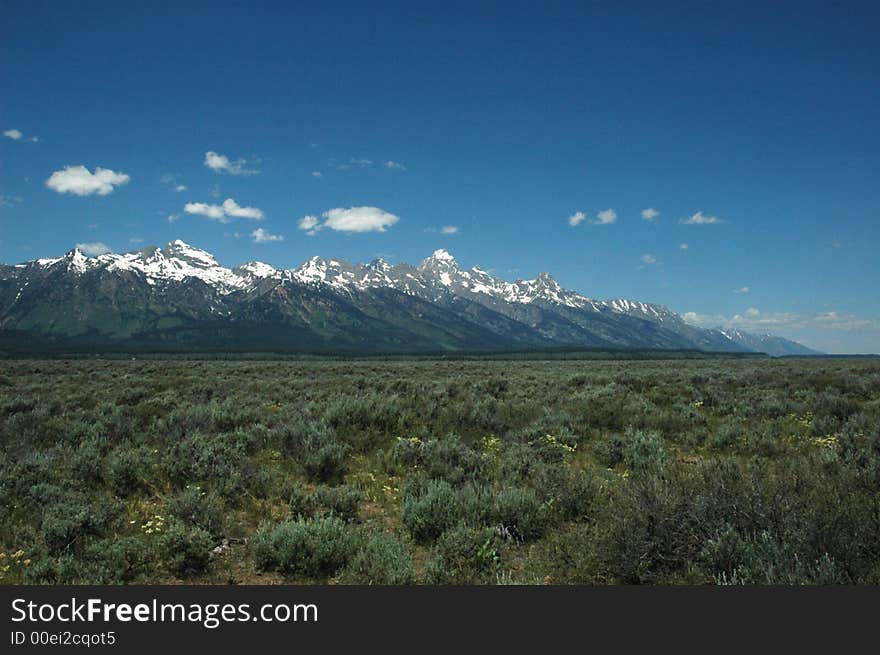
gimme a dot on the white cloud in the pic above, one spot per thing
(9, 201)
(649, 259)
(317, 174)
(354, 163)
(135, 240)
(172, 217)
(700, 219)
(93, 249)
(394, 165)
(79, 181)
(650, 214)
(742, 290)
(223, 213)
(222, 164)
(352, 219)
(13, 134)
(606, 217)
(214, 212)
(449, 229)
(233, 209)
(262, 236)
(683, 246)
(170, 181)
(577, 218)
(308, 222)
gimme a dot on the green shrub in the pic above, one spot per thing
(382, 560)
(129, 470)
(314, 548)
(645, 451)
(611, 451)
(574, 498)
(199, 509)
(764, 559)
(465, 555)
(301, 502)
(448, 458)
(727, 435)
(476, 502)
(429, 510)
(520, 513)
(123, 561)
(339, 501)
(87, 461)
(186, 550)
(323, 455)
(66, 522)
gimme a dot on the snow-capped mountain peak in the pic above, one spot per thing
(194, 256)
(77, 261)
(258, 270)
(439, 259)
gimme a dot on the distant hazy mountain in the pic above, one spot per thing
(767, 343)
(179, 297)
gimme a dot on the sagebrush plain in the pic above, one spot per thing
(676, 471)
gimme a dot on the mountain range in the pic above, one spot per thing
(180, 298)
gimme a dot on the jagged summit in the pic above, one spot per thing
(439, 259)
(195, 256)
(442, 255)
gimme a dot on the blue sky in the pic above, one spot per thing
(502, 121)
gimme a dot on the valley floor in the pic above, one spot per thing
(695, 471)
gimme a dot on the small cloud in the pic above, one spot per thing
(17, 135)
(394, 165)
(606, 217)
(352, 219)
(222, 164)
(683, 246)
(700, 219)
(79, 181)
(449, 229)
(233, 209)
(172, 217)
(135, 240)
(650, 214)
(742, 290)
(836, 244)
(215, 192)
(355, 163)
(317, 174)
(9, 201)
(170, 181)
(308, 222)
(93, 249)
(577, 218)
(214, 212)
(223, 213)
(262, 236)
(649, 259)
